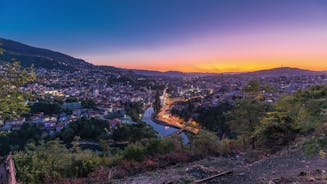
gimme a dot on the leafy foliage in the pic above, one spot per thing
(255, 89)
(308, 108)
(133, 133)
(152, 147)
(46, 107)
(272, 127)
(214, 119)
(245, 116)
(157, 102)
(92, 129)
(316, 144)
(203, 143)
(12, 100)
(88, 103)
(275, 131)
(53, 160)
(16, 140)
(134, 109)
(2, 51)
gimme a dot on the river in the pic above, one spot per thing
(163, 130)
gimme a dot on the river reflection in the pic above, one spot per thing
(162, 129)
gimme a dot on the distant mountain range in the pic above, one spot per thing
(282, 71)
(28, 55)
(174, 73)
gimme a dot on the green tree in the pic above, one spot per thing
(214, 119)
(157, 102)
(255, 89)
(46, 107)
(2, 51)
(12, 100)
(245, 116)
(134, 152)
(308, 107)
(89, 103)
(4, 143)
(51, 161)
(133, 133)
(275, 131)
(92, 129)
(16, 140)
(203, 143)
(134, 109)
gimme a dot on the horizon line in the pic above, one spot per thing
(204, 72)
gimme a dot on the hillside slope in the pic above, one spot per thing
(28, 55)
(291, 167)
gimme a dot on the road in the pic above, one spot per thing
(166, 117)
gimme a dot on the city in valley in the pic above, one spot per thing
(109, 90)
(163, 92)
(122, 122)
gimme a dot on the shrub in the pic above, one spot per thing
(134, 152)
(275, 131)
(307, 108)
(226, 147)
(316, 144)
(51, 161)
(204, 143)
(158, 146)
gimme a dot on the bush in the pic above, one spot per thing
(275, 131)
(16, 140)
(308, 108)
(92, 129)
(226, 146)
(46, 107)
(51, 161)
(158, 146)
(134, 152)
(133, 133)
(214, 119)
(204, 143)
(316, 144)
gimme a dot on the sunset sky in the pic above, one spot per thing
(184, 35)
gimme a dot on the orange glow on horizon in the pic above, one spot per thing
(297, 47)
(319, 65)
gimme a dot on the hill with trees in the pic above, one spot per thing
(28, 55)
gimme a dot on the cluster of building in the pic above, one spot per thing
(56, 122)
(111, 89)
(213, 90)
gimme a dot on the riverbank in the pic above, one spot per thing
(162, 128)
(165, 117)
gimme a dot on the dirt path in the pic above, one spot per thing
(291, 168)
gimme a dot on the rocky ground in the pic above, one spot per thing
(289, 167)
